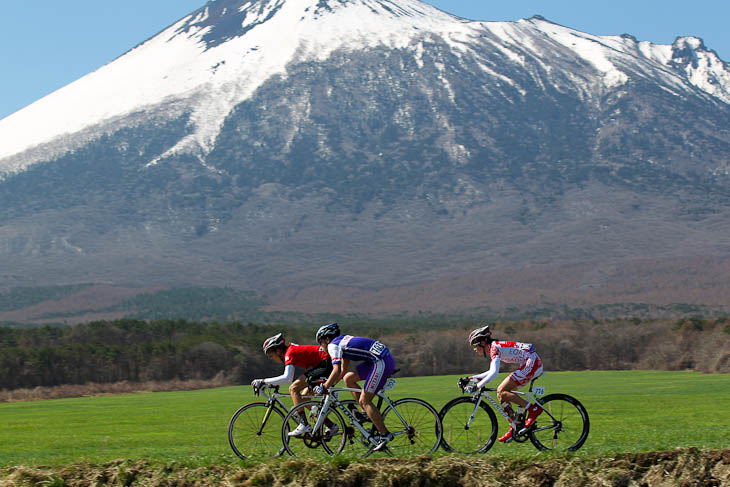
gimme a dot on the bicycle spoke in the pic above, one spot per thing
(357, 442)
(563, 425)
(422, 430)
(254, 432)
(478, 436)
(321, 443)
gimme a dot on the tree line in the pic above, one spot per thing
(162, 350)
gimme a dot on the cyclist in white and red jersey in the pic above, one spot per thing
(375, 365)
(310, 357)
(530, 367)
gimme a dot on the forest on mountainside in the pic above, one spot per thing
(168, 350)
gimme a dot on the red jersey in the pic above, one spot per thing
(304, 356)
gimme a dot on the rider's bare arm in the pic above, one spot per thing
(335, 375)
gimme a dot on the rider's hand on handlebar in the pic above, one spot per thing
(257, 384)
(320, 390)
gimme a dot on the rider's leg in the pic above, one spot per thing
(296, 389)
(351, 380)
(531, 369)
(375, 373)
(366, 403)
(505, 394)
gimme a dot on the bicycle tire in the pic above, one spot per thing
(562, 426)
(315, 443)
(481, 434)
(422, 435)
(251, 442)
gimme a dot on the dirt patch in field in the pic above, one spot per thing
(681, 467)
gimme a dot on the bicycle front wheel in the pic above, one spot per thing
(254, 431)
(563, 424)
(327, 440)
(462, 436)
(416, 426)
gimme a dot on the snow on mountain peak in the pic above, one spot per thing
(702, 67)
(690, 42)
(218, 56)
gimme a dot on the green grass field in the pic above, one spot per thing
(630, 411)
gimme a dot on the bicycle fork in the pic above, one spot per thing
(263, 425)
(265, 420)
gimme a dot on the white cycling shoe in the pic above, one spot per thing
(331, 431)
(382, 441)
(300, 430)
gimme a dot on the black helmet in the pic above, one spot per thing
(330, 330)
(479, 334)
(273, 342)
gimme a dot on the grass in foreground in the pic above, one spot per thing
(630, 411)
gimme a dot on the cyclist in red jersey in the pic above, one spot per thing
(530, 367)
(316, 361)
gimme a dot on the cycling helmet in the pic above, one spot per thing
(479, 334)
(330, 330)
(273, 342)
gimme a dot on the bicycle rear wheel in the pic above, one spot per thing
(476, 437)
(416, 426)
(323, 442)
(563, 425)
(254, 431)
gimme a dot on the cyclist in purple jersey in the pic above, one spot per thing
(376, 365)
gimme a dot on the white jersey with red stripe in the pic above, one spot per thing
(511, 352)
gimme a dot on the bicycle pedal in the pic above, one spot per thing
(526, 430)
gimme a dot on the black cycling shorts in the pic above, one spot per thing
(321, 371)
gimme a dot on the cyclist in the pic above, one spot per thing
(530, 367)
(310, 357)
(376, 365)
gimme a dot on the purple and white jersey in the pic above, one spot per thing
(358, 349)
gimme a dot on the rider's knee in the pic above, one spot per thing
(295, 387)
(362, 402)
(501, 393)
(505, 387)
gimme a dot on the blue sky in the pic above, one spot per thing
(46, 44)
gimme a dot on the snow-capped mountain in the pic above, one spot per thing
(218, 56)
(278, 144)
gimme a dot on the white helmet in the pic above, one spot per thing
(272, 342)
(479, 334)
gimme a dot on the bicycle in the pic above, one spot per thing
(256, 427)
(470, 425)
(414, 423)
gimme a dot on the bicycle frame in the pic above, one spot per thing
(273, 400)
(332, 400)
(529, 396)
